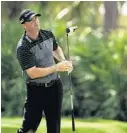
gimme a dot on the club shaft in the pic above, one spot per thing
(68, 49)
(71, 93)
(72, 112)
(72, 105)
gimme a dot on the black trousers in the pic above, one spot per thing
(39, 99)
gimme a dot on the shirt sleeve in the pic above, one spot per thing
(25, 58)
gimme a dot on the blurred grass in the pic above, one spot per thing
(10, 125)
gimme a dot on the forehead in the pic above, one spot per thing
(33, 18)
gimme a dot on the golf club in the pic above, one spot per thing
(68, 30)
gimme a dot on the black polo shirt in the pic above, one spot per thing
(37, 53)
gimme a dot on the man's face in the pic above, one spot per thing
(34, 24)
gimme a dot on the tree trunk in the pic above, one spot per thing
(111, 16)
(14, 8)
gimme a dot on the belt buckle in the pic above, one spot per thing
(47, 84)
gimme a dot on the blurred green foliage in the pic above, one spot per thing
(100, 63)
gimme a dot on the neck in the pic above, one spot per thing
(32, 34)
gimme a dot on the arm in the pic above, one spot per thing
(58, 54)
(27, 62)
(37, 72)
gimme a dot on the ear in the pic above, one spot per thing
(23, 26)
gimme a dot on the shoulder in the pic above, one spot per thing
(47, 32)
(21, 42)
(21, 45)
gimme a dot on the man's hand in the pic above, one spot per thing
(64, 66)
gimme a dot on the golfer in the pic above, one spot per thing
(36, 50)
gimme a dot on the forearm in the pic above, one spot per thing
(58, 54)
(37, 72)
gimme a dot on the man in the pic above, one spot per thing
(35, 52)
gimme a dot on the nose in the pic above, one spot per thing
(35, 19)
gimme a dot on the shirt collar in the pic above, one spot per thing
(31, 40)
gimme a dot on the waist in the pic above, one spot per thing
(45, 79)
(42, 84)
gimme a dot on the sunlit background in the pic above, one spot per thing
(98, 49)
